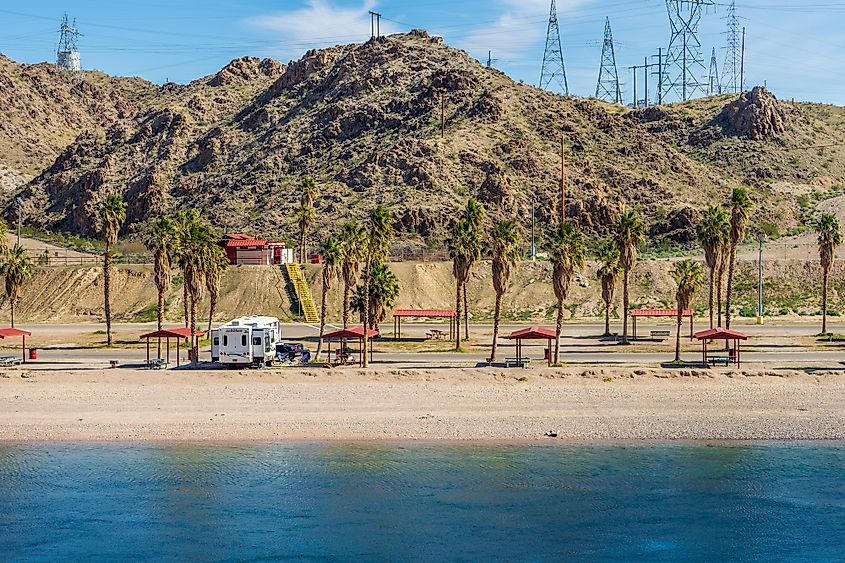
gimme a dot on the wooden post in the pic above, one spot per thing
(177, 352)
(148, 351)
(168, 349)
(23, 348)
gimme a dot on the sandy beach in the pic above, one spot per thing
(437, 404)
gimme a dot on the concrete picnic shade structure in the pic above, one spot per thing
(354, 333)
(721, 334)
(400, 314)
(656, 313)
(14, 333)
(180, 333)
(534, 333)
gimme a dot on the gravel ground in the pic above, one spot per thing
(449, 404)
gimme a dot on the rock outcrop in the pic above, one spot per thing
(756, 115)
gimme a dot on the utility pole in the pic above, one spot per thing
(742, 64)
(533, 225)
(554, 69)
(646, 66)
(636, 100)
(375, 24)
(715, 86)
(442, 117)
(562, 181)
(490, 59)
(659, 56)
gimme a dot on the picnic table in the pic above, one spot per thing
(663, 334)
(157, 363)
(10, 361)
(517, 362)
(341, 357)
(435, 334)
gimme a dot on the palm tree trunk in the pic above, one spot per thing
(107, 291)
(12, 305)
(185, 300)
(678, 335)
(212, 309)
(712, 274)
(366, 306)
(457, 314)
(466, 313)
(825, 277)
(625, 307)
(607, 318)
(729, 293)
(322, 321)
(497, 313)
(719, 286)
(193, 327)
(346, 290)
(558, 330)
(302, 246)
(160, 316)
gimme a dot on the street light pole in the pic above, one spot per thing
(760, 240)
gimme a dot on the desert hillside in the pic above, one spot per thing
(74, 294)
(365, 120)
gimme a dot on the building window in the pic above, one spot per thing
(225, 340)
(256, 341)
(243, 340)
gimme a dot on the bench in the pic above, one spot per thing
(660, 334)
(517, 362)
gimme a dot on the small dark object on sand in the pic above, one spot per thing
(550, 434)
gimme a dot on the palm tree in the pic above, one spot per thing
(740, 208)
(474, 214)
(462, 247)
(16, 269)
(4, 238)
(630, 234)
(332, 253)
(183, 224)
(829, 234)
(353, 237)
(567, 254)
(305, 215)
(608, 272)
(382, 293)
(378, 248)
(160, 239)
(714, 235)
(505, 251)
(112, 216)
(690, 277)
(197, 252)
(215, 266)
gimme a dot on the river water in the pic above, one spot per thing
(411, 501)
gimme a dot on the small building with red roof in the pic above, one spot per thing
(246, 249)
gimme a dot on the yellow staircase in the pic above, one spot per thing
(303, 294)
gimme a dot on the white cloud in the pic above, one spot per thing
(320, 23)
(518, 30)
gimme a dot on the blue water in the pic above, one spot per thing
(422, 502)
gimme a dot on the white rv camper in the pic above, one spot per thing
(247, 341)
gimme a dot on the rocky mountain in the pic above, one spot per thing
(365, 121)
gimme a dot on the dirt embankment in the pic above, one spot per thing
(70, 294)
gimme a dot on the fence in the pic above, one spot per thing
(48, 257)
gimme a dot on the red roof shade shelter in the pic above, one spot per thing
(721, 334)
(168, 333)
(655, 313)
(400, 314)
(533, 333)
(354, 333)
(14, 333)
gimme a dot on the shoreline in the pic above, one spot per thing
(446, 406)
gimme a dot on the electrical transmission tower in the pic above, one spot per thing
(608, 88)
(715, 86)
(733, 57)
(684, 60)
(554, 70)
(67, 54)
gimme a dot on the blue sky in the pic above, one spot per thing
(796, 47)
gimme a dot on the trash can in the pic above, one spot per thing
(547, 353)
(33, 353)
